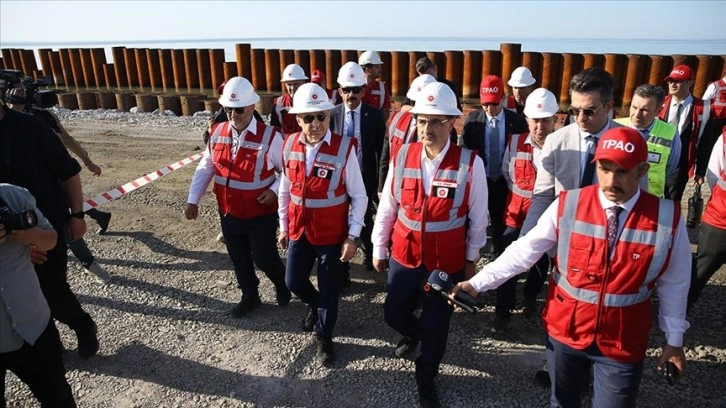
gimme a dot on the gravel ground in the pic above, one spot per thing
(167, 342)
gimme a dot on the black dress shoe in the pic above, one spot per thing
(501, 324)
(406, 346)
(427, 395)
(325, 354)
(103, 219)
(88, 340)
(308, 323)
(283, 295)
(246, 305)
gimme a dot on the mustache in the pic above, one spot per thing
(613, 190)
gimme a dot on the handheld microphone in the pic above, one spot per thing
(440, 282)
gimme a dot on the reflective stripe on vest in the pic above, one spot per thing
(381, 92)
(260, 164)
(525, 156)
(461, 177)
(660, 141)
(661, 240)
(719, 100)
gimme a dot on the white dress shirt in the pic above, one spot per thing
(352, 179)
(672, 285)
(204, 173)
(585, 146)
(716, 163)
(683, 118)
(387, 214)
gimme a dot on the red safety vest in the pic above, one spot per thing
(715, 213)
(696, 122)
(288, 123)
(399, 132)
(431, 230)
(511, 103)
(239, 181)
(718, 103)
(376, 95)
(318, 202)
(522, 173)
(593, 299)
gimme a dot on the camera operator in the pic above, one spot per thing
(33, 157)
(29, 341)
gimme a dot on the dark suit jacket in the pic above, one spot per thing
(372, 130)
(475, 126)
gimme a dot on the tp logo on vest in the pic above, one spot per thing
(618, 145)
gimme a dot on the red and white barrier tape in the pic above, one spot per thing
(117, 192)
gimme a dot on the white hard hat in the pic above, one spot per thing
(310, 97)
(351, 74)
(293, 72)
(238, 93)
(369, 58)
(418, 84)
(521, 77)
(436, 99)
(541, 104)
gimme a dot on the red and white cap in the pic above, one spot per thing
(491, 89)
(624, 146)
(318, 77)
(680, 73)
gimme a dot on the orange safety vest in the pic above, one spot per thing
(522, 173)
(319, 201)
(696, 123)
(593, 299)
(715, 213)
(288, 123)
(376, 96)
(718, 103)
(240, 180)
(430, 230)
(399, 132)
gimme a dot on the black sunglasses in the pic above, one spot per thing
(308, 119)
(352, 89)
(587, 111)
(236, 110)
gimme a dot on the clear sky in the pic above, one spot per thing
(59, 22)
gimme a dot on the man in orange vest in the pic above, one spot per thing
(293, 77)
(711, 253)
(433, 188)
(522, 158)
(242, 157)
(615, 244)
(322, 201)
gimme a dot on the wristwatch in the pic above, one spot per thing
(356, 240)
(79, 214)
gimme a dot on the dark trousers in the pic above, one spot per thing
(536, 277)
(710, 256)
(40, 366)
(676, 184)
(405, 287)
(615, 383)
(365, 237)
(53, 278)
(301, 256)
(253, 242)
(95, 214)
(498, 191)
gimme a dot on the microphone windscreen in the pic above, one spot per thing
(440, 280)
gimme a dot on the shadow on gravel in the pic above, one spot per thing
(205, 260)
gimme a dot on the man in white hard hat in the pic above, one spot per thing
(293, 77)
(322, 202)
(375, 91)
(522, 158)
(433, 188)
(522, 83)
(355, 119)
(242, 157)
(402, 128)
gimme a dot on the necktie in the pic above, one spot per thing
(613, 213)
(676, 118)
(495, 157)
(589, 172)
(351, 124)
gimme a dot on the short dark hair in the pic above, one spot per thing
(593, 79)
(423, 64)
(651, 91)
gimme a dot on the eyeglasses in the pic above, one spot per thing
(432, 123)
(587, 111)
(352, 89)
(308, 119)
(236, 110)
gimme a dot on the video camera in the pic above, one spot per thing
(17, 220)
(10, 78)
